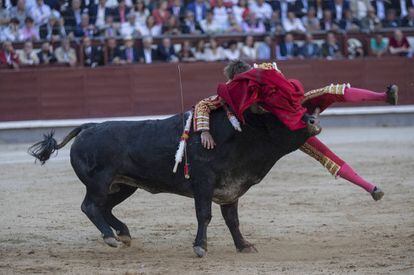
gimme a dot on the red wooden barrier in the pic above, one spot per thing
(57, 93)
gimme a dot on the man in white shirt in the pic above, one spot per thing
(148, 54)
(40, 13)
(262, 10)
(209, 25)
(130, 28)
(293, 24)
(27, 56)
(100, 14)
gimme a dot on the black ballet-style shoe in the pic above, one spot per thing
(377, 194)
(392, 94)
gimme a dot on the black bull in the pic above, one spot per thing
(114, 159)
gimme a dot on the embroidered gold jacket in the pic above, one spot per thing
(203, 109)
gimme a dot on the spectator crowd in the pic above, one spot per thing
(60, 22)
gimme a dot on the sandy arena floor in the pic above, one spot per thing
(300, 219)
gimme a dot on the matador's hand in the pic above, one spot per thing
(207, 140)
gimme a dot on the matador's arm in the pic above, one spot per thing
(202, 112)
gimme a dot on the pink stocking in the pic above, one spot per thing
(330, 160)
(349, 174)
(357, 95)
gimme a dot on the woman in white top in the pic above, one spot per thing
(214, 52)
(200, 51)
(141, 13)
(241, 11)
(220, 14)
(248, 51)
(150, 28)
(232, 52)
(209, 24)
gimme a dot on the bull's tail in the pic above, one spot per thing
(42, 150)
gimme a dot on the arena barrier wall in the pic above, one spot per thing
(142, 90)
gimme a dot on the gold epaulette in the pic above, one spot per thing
(267, 66)
(338, 89)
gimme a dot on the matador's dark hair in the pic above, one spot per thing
(235, 67)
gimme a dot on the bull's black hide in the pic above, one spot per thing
(113, 159)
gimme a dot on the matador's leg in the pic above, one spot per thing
(337, 167)
(324, 97)
(352, 94)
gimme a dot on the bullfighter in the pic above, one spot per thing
(265, 89)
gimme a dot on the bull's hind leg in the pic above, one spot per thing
(231, 216)
(93, 207)
(114, 199)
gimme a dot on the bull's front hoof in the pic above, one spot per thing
(199, 251)
(125, 239)
(248, 249)
(111, 241)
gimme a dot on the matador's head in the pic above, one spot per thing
(239, 66)
(235, 67)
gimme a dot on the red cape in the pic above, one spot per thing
(271, 89)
